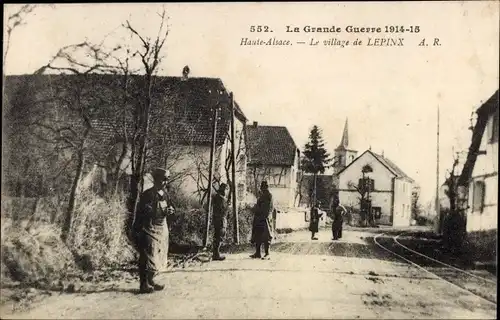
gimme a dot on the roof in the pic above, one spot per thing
(270, 145)
(483, 113)
(188, 102)
(389, 164)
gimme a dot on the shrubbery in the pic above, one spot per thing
(34, 250)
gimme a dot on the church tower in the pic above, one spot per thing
(343, 155)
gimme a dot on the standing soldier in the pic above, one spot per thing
(338, 220)
(219, 220)
(154, 206)
(314, 221)
(261, 231)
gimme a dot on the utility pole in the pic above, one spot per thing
(236, 230)
(438, 209)
(211, 174)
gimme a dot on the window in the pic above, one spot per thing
(367, 183)
(478, 196)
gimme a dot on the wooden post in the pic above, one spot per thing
(439, 218)
(236, 233)
(211, 175)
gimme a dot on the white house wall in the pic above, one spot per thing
(381, 175)
(381, 197)
(485, 169)
(382, 200)
(281, 180)
(192, 163)
(402, 203)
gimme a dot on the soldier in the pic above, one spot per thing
(154, 206)
(219, 220)
(314, 221)
(261, 231)
(338, 220)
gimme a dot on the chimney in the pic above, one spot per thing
(255, 123)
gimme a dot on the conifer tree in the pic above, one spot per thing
(316, 158)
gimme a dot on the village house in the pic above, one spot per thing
(390, 188)
(480, 179)
(180, 128)
(274, 157)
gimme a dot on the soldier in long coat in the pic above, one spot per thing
(338, 220)
(314, 220)
(219, 220)
(154, 206)
(261, 231)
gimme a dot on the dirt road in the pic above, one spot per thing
(350, 278)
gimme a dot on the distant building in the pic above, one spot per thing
(272, 156)
(390, 188)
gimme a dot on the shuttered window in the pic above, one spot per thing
(478, 196)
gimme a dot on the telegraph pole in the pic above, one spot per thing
(438, 209)
(236, 229)
(211, 175)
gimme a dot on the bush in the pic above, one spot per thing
(32, 250)
(96, 237)
(245, 221)
(188, 226)
(33, 255)
(424, 221)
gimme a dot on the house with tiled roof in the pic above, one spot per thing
(180, 123)
(273, 156)
(390, 188)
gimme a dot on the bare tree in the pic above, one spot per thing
(73, 96)
(363, 188)
(14, 21)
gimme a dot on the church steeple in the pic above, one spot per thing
(345, 136)
(343, 154)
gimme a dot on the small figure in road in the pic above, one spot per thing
(338, 220)
(316, 214)
(154, 206)
(261, 231)
(219, 220)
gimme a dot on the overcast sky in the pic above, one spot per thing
(389, 94)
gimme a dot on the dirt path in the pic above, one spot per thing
(304, 279)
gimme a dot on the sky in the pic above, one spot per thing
(389, 94)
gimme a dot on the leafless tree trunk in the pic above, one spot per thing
(150, 59)
(68, 216)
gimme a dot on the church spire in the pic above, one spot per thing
(345, 136)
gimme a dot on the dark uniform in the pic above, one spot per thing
(149, 225)
(338, 220)
(261, 231)
(219, 220)
(314, 221)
